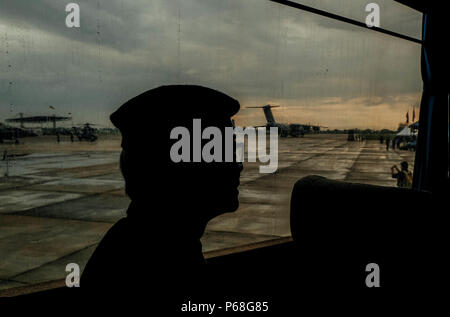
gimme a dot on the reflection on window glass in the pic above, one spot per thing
(393, 15)
(60, 185)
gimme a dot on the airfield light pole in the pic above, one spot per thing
(21, 120)
(7, 164)
(54, 118)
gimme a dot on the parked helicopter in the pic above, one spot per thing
(85, 132)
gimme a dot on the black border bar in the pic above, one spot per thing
(343, 19)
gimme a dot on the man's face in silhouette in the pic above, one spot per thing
(211, 188)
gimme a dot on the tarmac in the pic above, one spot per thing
(59, 199)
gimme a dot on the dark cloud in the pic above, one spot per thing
(254, 50)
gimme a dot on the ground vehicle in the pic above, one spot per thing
(410, 146)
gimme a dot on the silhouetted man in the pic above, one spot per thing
(157, 245)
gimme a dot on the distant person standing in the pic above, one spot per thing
(388, 142)
(381, 139)
(404, 177)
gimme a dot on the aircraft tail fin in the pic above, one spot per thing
(268, 113)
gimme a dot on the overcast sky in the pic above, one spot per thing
(318, 70)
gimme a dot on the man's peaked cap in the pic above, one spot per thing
(171, 104)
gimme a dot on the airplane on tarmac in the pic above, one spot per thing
(284, 129)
